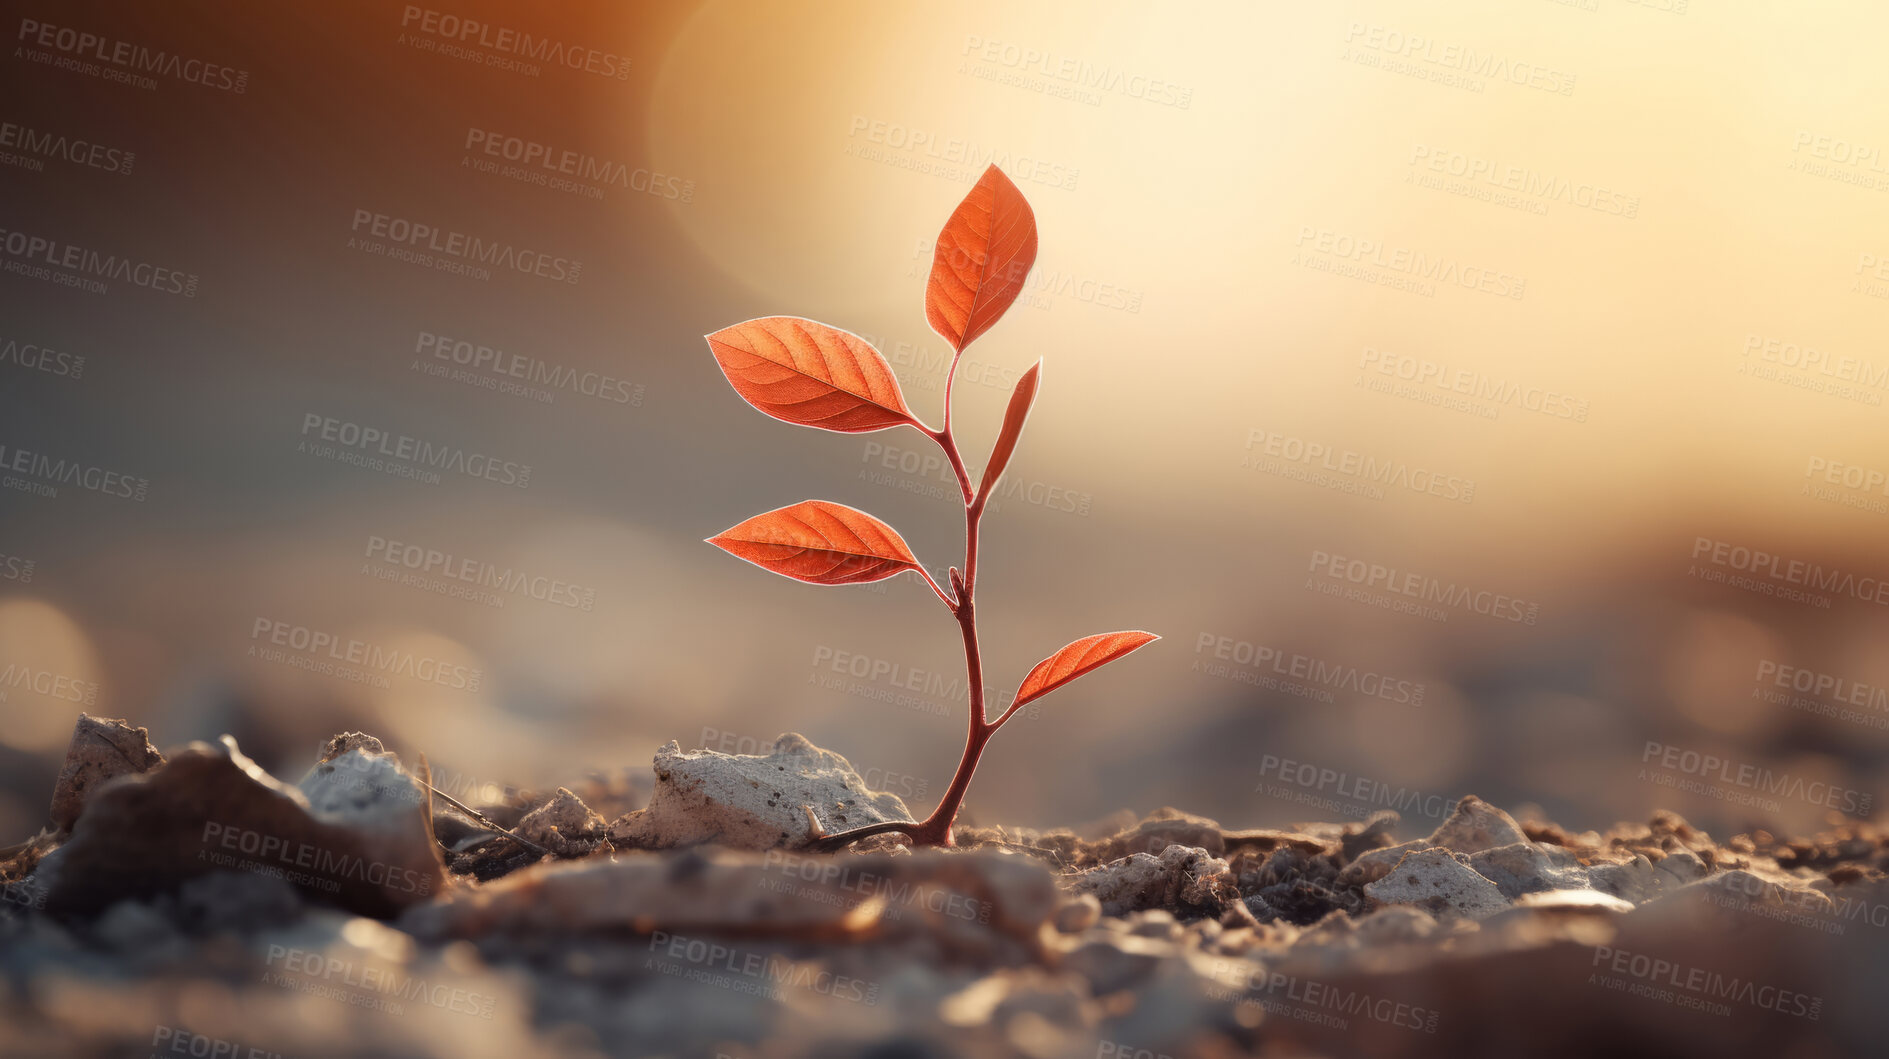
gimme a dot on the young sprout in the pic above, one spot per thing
(805, 372)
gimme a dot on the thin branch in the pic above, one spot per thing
(926, 574)
(999, 722)
(950, 446)
(488, 821)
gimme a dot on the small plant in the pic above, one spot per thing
(805, 372)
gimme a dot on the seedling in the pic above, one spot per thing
(805, 372)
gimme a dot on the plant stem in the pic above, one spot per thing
(935, 830)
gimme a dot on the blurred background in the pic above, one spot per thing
(1484, 399)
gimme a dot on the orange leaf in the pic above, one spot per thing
(1019, 410)
(819, 542)
(805, 372)
(983, 254)
(1076, 659)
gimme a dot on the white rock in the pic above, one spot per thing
(1526, 868)
(1373, 865)
(364, 789)
(749, 801)
(1475, 826)
(1639, 880)
(1439, 882)
(1179, 878)
(352, 834)
(564, 825)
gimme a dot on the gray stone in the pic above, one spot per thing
(355, 834)
(564, 825)
(347, 741)
(1181, 879)
(1639, 880)
(1163, 828)
(101, 749)
(1526, 868)
(1475, 826)
(750, 801)
(1439, 882)
(1373, 865)
(1078, 914)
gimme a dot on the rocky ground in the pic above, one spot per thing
(192, 904)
